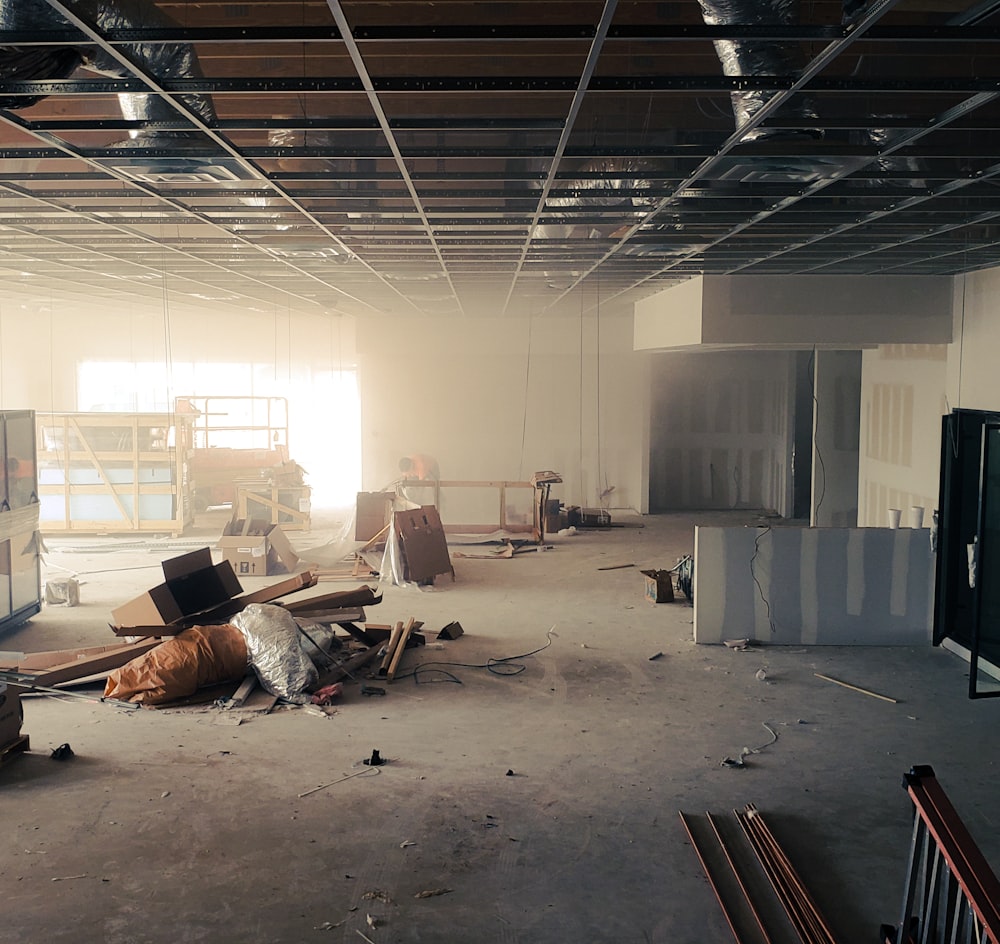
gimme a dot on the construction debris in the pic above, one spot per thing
(855, 688)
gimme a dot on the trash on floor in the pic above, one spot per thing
(62, 591)
(195, 658)
(659, 586)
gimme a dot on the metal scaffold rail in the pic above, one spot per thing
(951, 895)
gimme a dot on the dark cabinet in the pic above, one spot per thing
(20, 574)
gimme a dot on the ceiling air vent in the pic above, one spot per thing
(176, 172)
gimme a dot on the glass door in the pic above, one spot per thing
(984, 663)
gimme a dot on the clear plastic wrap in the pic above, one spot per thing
(276, 653)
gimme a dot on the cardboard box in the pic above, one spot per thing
(192, 584)
(256, 548)
(10, 714)
(372, 513)
(659, 586)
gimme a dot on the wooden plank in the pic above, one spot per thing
(400, 646)
(390, 648)
(46, 659)
(337, 672)
(361, 596)
(93, 665)
(361, 635)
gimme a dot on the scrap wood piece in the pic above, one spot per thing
(113, 658)
(616, 567)
(51, 658)
(339, 599)
(501, 553)
(390, 649)
(241, 694)
(400, 646)
(345, 668)
(856, 688)
(380, 632)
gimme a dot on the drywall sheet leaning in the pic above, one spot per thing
(814, 586)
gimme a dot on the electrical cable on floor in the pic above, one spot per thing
(738, 762)
(505, 666)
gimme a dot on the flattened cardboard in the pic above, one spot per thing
(193, 584)
(256, 548)
(422, 542)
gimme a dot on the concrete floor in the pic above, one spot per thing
(172, 827)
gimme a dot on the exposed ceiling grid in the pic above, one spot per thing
(472, 158)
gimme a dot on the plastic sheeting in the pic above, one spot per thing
(276, 651)
(178, 667)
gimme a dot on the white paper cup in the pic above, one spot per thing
(894, 516)
(916, 516)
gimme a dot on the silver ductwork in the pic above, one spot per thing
(162, 60)
(755, 57)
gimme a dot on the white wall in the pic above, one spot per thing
(501, 398)
(902, 402)
(721, 430)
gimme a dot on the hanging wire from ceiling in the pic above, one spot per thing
(524, 406)
(580, 397)
(168, 354)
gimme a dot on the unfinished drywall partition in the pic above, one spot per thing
(721, 431)
(500, 398)
(781, 311)
(813, 586)
(836, 419)
(902, 401)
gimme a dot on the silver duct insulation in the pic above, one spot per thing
(615, 175)
(755, 57)
(162, 60)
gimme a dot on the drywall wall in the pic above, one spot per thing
(721, 430)
(836, 418)
(781, 311)
(813, 586)
(973, 380)
(902, 400)
(501, 398)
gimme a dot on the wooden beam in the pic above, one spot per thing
(397, 631)
(93, 665)
(400, 646)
